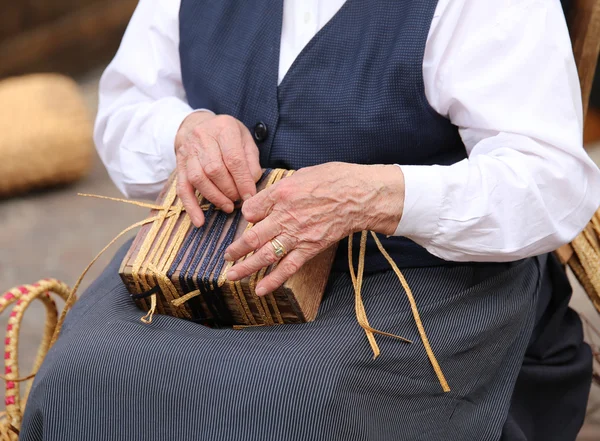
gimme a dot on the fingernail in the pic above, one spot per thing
(246, 196)
(228, 257)
(228, 208)
(232, 276)
(261, 291)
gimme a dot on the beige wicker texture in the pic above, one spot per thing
(46, 133)
(583, 253)
(585, 260)
(21, 297)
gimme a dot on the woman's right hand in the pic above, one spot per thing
(216, 155)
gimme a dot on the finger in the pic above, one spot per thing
(187, 194)
(200, 181)
(258, 207)
(262, 258)
(252, 154)
(235, 160)
(286, 268)
(253, 239)
(214, 168)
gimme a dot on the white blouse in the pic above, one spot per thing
(502, 71)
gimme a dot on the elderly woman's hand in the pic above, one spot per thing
(311, 210)
(217, 156)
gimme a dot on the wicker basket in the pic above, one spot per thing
(15, 395)
(583, 257)
(46, 133)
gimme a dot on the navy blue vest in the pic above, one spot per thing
(354, 94)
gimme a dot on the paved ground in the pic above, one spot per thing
(55, 234)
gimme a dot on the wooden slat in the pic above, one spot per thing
(71, 44)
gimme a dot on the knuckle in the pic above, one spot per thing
(244, 267)
(323, 243)
(232, 194)
(225, 120)
(180, 188)
(213, 168)
(195, 177)
(198, 131)
(278, 278)
(235, 162)
(183, 150)
(256, 173)
(247, 210)
(252, 238)
(188, 201)
(283, 191)
(290, 266)
(269, 256)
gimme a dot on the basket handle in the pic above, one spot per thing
(22, 297)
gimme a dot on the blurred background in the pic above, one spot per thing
(46, 230)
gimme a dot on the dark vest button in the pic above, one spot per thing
(261, 131)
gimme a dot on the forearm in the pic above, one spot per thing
(381, 191)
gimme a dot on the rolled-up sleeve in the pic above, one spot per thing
(142, 102)
(503, 72)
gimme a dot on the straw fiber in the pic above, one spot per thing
(46, 133)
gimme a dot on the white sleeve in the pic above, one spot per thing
(503, 72)
(142, 101)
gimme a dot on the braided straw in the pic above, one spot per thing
(22, 297)
(361, 315)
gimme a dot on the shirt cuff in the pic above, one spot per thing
(423, 196)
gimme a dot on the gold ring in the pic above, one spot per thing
(278, 248)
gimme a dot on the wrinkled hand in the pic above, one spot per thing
(217, 156)
(311, 210)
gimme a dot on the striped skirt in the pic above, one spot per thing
(112, 377)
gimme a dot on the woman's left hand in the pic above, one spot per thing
(311, 210)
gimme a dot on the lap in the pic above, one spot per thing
(551, 391)
(121, 379)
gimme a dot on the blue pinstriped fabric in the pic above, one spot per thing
(354, 94)
(110, 377)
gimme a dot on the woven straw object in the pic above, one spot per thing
(583, 257)
(21, 297)
(46, 133)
